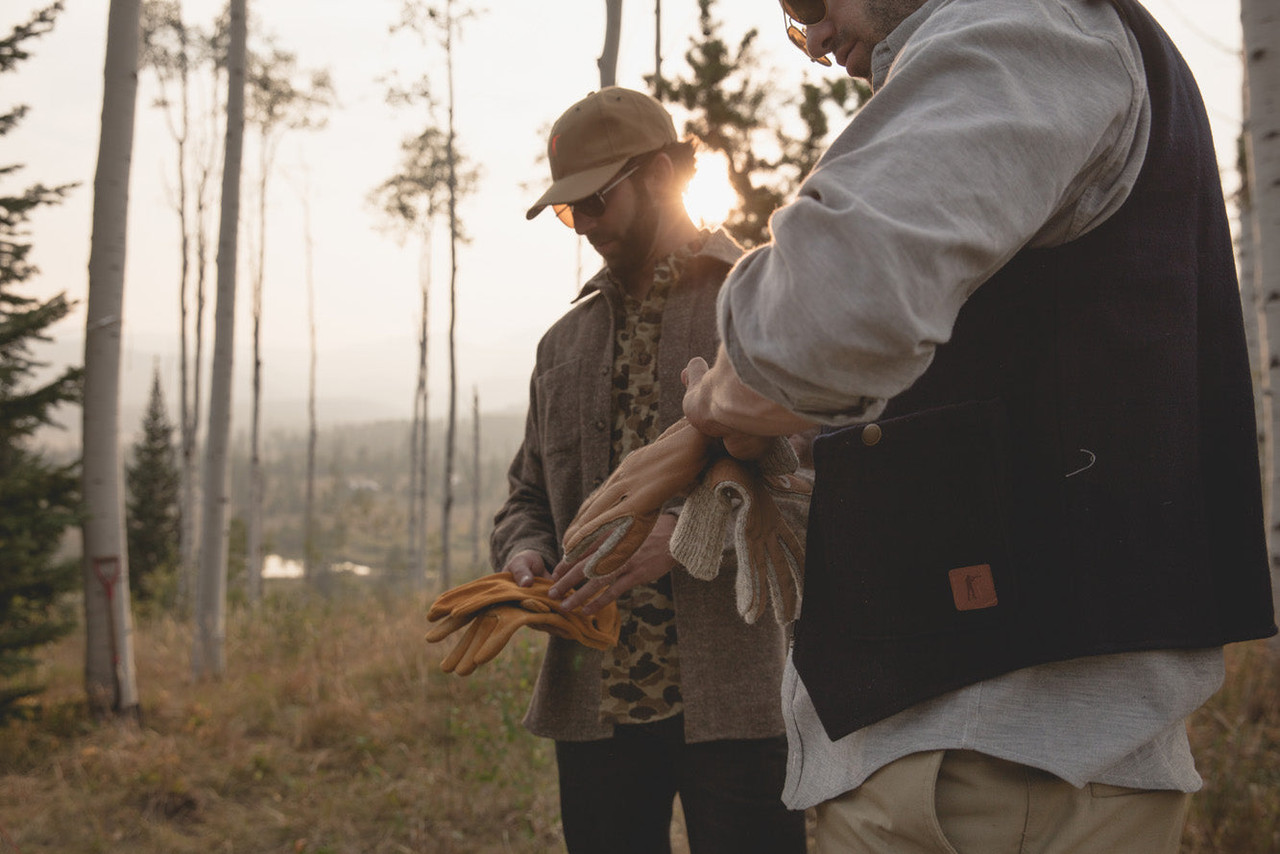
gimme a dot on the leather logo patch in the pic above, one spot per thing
(973, 588)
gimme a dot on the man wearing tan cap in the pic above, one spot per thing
(687, 702)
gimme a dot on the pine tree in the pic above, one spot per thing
(40, 497)
(735, 109)
(154, 521)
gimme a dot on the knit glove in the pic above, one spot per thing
(620, 513)
(734, 496)
(615, 518)
(494, 606)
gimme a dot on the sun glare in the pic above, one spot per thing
(710, 197)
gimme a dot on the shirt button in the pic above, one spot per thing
(600, 424)
(871, 434)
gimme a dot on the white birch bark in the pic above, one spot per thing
(419, 510)
(608, 60)
(1255, 326)
(308, 514)
(208, 653)
(110, 677)
(1260, 21)
(450, 442)
(253, 522)
(657, 42)
(180, 130)
(1255, 318)
(475, 478)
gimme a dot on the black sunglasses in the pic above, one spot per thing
(593, 205)
(805, 11)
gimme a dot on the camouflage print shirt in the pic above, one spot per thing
(641, 678)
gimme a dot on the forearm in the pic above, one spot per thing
(525, 521)
(969, 152)
(720, 404)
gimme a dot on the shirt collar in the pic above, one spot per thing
(715, 245)
(883, 54)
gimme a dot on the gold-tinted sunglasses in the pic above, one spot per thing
(806, 12)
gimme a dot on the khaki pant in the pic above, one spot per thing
(962, 802)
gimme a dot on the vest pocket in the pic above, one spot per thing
(908, 530)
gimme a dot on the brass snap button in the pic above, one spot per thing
(871, 434)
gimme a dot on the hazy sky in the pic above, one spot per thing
(519, 64)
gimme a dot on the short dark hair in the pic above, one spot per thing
(682, 156)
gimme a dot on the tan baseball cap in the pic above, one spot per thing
(594, 139)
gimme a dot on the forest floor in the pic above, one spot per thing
(333, 731)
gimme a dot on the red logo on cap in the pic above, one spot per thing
(554, 140)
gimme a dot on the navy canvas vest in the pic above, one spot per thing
(1075, 474)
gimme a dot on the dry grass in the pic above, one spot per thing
(334, 731)
(1236, 739)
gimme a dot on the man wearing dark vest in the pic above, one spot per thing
(1007, 293)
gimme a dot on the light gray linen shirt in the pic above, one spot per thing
(995, 125)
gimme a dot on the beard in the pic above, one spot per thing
(631, 251)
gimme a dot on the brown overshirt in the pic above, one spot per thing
(730, 672)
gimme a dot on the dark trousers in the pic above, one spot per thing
(616, 795)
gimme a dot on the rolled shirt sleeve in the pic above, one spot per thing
(995, 125)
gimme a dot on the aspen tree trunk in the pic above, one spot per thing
(414, 557)
(1260, 20)
(424, 445)
(208, 654)
(313, 432)
(253, 526)
(110, 677)
(657, 43)
(475, 477)
(1255, 324)
(253, 522)
(187, 429)
(1255, 317)
(450, 441)
(608, 61)
(418, 444)
(607, 64)
(191, 471)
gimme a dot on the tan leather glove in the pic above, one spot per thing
(485, 591)
(734, 496)
(615, 518)
(491, 629)
(494, 606)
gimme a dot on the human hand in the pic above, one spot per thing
(615, 520)
(649, 562)
(717, 403)
(525, 566)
